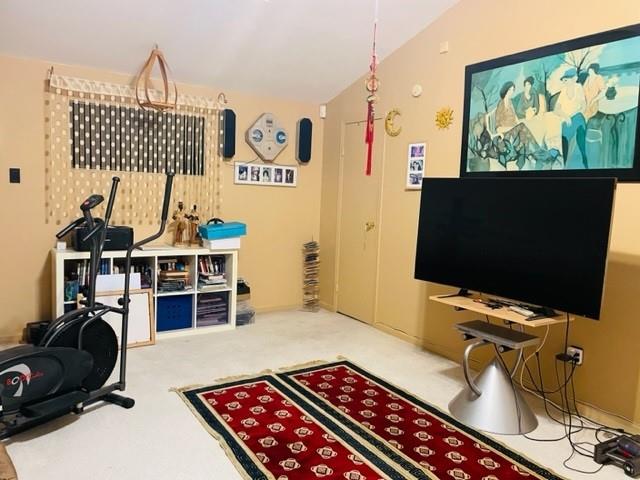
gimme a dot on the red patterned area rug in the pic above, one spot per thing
(336, 421)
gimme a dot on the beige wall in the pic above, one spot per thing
(476, 31)
(279, 220)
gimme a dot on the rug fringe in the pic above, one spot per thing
(248, 376)
(185, 388)
(218, 381)
(235, 378)
(312, 363)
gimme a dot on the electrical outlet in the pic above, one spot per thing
(577, 353)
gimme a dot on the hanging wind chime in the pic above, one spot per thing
(372, 85)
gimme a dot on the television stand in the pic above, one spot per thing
(538, 311)
(463, 292)
(543, 311)
(476, 303)
(491, 401)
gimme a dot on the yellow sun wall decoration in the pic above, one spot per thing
(444, 118)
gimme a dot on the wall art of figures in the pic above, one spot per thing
(569, 109)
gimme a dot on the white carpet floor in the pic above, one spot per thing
(161, 439)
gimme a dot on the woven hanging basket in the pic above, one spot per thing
(143, 83)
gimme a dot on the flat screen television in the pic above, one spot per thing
(542, 241)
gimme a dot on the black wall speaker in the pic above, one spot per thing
(303, 146)
(227, 138)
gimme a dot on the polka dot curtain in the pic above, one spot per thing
(74, 170)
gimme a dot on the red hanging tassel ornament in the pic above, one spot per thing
(372, 87)
(368, 135)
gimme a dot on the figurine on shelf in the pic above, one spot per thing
(194, 221)
(180, 224)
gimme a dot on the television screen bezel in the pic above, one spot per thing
(614, 180)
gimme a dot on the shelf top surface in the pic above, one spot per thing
(470, 303)
(152, 251)
(174, 293)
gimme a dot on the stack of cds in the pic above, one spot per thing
(311, 252)
(213, 309)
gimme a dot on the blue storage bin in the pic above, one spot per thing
(174, 313)
(216, 229)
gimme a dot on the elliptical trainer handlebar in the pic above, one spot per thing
(92, 202)
(98, 225)
(96, 228)
(124, 300)
(167, 197)
(89, 204)
(112, 198)
(76, 223)
(86, 206)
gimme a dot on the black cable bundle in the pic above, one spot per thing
(569, 416)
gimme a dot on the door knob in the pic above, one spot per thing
(369, 226)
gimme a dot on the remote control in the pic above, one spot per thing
(520, 310)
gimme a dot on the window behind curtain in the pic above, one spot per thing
(117, 137)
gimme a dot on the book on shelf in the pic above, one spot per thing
(104, 267)
(173, 287)
(83, 270)
(204, 278)
(211, 273)
(167, 260)
(171, 264)
(173, 275)
(215, 279)
(212, 264)
(144, 269)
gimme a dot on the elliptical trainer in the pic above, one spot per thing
(77, 354)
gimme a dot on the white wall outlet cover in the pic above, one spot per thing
(267, 137)
(416, 91)
(444, 47)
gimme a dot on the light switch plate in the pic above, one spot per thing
(14, 175)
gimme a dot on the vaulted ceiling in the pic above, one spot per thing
(308, 50)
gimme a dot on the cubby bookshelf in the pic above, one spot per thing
(207, 302)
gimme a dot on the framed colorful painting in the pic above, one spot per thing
(569, 109)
